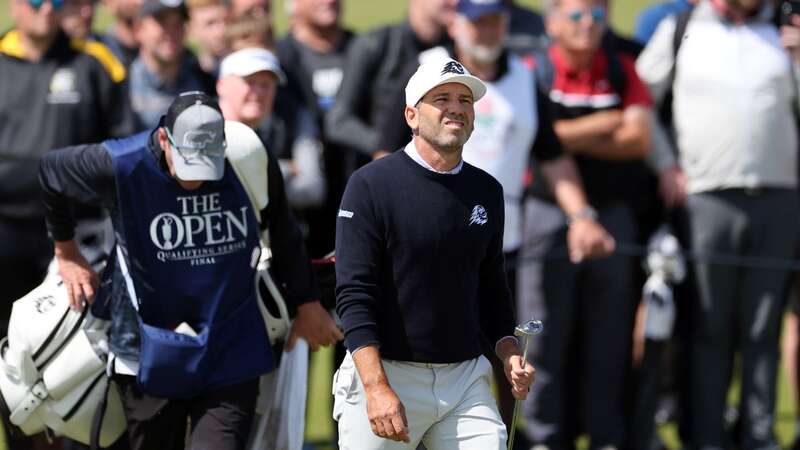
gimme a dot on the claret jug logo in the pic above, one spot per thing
(200, 232)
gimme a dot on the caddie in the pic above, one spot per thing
(421, 282)
(187, 339)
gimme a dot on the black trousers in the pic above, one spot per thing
(738, 308)
(583, 355)
(220, 419)
(25, 252)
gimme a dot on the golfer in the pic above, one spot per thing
(421, 282)
(186, 338)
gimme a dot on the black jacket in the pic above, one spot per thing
(74, 94)
(366, 114)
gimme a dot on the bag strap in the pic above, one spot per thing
(99, 415)
(615, 72)
(681, 22)
(544, 71)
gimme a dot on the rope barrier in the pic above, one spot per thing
(640, 251)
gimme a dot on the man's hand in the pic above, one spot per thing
(520, 373)
(387, 415)
(790, 38)
(588, 239)
(79, 278)
(672, 185)
(315, 325)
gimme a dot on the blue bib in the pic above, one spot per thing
(191, 256)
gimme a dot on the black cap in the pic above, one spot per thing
(154, 7)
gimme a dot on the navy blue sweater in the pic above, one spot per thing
(419, 262)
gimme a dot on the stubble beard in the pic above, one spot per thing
(442, 139)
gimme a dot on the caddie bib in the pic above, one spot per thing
(189, 257)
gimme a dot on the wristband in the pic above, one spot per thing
(586, 213)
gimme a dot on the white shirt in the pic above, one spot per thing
(734, 92)
(411, 151)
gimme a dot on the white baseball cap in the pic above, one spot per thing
(438, 72)
(248, 61)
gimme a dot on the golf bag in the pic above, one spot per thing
(53, 369)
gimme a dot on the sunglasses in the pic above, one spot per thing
(597, 14)
(36, 4)
(188, 153)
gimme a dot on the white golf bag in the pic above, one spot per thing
(53, 368)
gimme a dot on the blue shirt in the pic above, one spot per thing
(649, 19)
(151, 96)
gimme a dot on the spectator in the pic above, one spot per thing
(512, 125)
(252, 8)
(247, 89)
(648, 20)
(417, 298)
(526, 32)
(207, 20)
(120, 37)
(164, 67)
(790, 343)
(378, 65)
(151, 186)
(312, 54)
(731, 179)
(77, 18)
(247, 32)
(54, 91)
(602, 116)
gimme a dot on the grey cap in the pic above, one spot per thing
(196, 130)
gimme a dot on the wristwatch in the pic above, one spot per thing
(585, 213)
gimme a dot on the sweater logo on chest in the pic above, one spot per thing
(478, 216)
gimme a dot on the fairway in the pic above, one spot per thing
(361, 15)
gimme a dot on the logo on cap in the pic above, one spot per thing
(198, 139)
(453, 67)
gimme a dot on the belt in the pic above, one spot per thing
(424, 365)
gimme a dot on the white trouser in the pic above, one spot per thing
(448, 406)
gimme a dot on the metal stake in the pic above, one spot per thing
(527, 329)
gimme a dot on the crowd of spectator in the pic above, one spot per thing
(597, 140)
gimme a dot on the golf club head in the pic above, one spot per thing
(529, 328)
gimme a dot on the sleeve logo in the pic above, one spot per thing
(345, 213)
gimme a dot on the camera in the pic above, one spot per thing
(788, 9)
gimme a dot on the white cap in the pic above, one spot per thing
(437, 72)
(248, 61)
